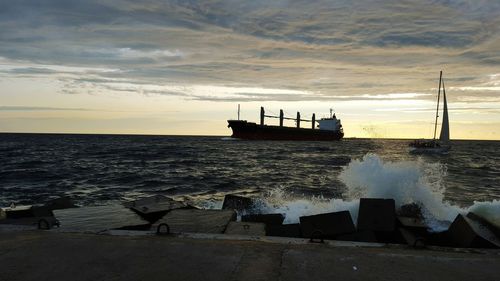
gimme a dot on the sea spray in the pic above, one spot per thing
(489, 210)
(280, 201)
(406, 182)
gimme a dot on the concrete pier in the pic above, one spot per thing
(46, 255)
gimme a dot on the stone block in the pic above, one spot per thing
(359, 236)
(469, 233)
(97, 219)
(284, 230)
(60, 203)
(17, 212)
(412, 239)
(268, 219)
(376, 214)
(493, 228)
(327, 225)
(197, 221)
(154, 208)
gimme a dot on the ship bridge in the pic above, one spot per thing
(330, 124)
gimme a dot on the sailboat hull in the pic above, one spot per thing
(441, 146)
(430, 150)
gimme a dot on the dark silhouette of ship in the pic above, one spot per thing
(328, 129)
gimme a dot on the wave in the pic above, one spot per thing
(370, 177)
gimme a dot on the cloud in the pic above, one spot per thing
(291, 50)
(41, 108)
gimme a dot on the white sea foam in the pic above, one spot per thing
(404, 181)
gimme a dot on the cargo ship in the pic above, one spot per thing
(324, 129)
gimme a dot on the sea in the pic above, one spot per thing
(293, 178)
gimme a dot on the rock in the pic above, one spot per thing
(268, 219)
(377, 214)
(246, 228)
(327, 225)
(238, 203)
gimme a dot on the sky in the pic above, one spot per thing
(182, 67)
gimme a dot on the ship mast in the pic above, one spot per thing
(437, 107)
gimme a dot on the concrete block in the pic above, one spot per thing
(469, 233)
(441, 239)
(359, 236)
(32, 222)
(41, 211)
(60, 203)
(17, 212)
(246, 228)
(27, 212)
(329, 224)
(36, 216)
(412, 239)
(411, 222)
(197, 221)
(493, 228)
(97, 219)
(377, 214)
(154, 208)
(238, 203)
(268, 219)
(147, 201)
(417, 226)
(284, 230)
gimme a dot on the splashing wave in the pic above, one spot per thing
(404, 181)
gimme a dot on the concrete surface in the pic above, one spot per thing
(39, 255)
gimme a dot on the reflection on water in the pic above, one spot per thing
(95, 169)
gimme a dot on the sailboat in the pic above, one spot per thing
(435, 146)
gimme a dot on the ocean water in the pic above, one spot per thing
(295, 178)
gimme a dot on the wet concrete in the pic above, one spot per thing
(38, 255)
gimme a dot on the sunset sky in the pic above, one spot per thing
(182, 67)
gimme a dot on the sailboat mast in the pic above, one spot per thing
(437, 107)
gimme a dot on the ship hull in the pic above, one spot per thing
(253, 131)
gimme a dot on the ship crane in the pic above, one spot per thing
(282, 117)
